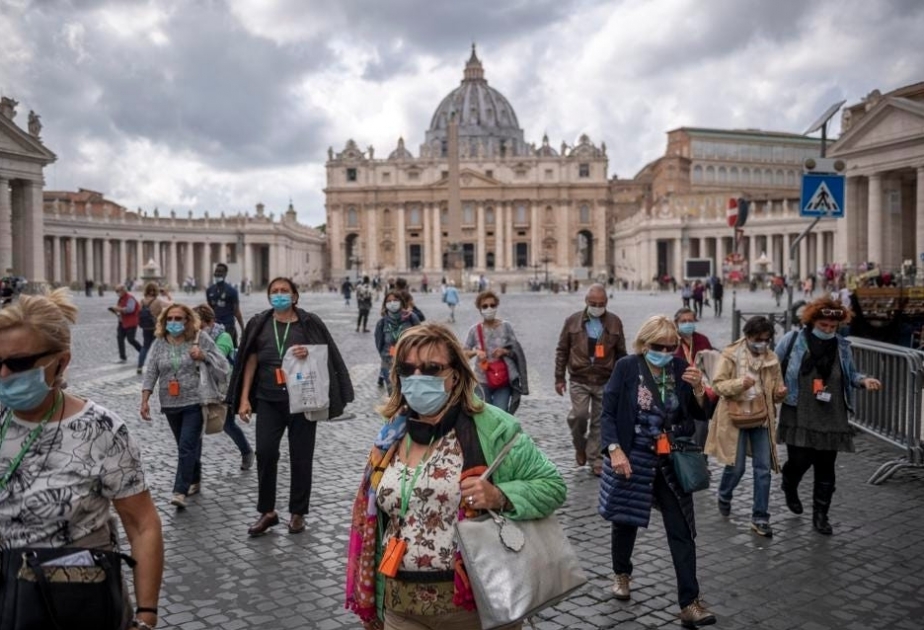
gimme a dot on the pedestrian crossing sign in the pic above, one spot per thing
(822, 195)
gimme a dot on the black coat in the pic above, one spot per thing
(341, 387)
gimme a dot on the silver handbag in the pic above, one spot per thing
(516, 568)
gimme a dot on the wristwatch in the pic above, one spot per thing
(613, 447)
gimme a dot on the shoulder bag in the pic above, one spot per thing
(495, 371)
(516, 568)
(689, 465)
(748, 414)
(214, 411)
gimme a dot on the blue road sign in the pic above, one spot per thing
(822, 195)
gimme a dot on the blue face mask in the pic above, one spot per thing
(658, 359)
(824, 336)
(25, 390)
(424, 394)
(175, 328)
(686, 328)
(281, 301)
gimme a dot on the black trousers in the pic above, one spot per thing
(363, 319)
(679, 540)
(802, 458)
(273, 418)
(124, 334)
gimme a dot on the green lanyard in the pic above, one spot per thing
(175, 358)
(281, 347)
(663, 387)
(33, 434)
(405, 491)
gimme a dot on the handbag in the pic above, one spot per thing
(748, 414)
(689, 465)
(516, 568)
(495, 371)
(45, 588)
(214, 412)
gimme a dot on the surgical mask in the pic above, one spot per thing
(393, 306)
(219, 279)
(25, 390)
(424, 394)
(488, 313)
(686, 328)
(596, 311)
(824, 336)
(175, 328)
(658, 359)
(758, 347)
(281, 301)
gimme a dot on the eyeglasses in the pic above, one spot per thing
(181, 318)
(660, 347)
(832, 312)
(427, 369)
(21, 364)
(487, 305)
(596, 304)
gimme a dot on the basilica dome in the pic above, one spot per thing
(488, 125)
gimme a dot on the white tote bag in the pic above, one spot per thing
(307, 380)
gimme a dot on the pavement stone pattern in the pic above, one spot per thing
(870, 574)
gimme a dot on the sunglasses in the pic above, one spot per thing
(832, 312)
(21, 364)
(488, 305)
(176, 319)
(660, 347)
(427, 369)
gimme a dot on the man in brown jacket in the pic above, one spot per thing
(591, 342)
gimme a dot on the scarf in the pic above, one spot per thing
(363, 539)
(821, 355)
(215, 330)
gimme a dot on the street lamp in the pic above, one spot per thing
(536, 266)
(546, 259)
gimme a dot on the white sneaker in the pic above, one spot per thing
(194, 488)
(179, 500)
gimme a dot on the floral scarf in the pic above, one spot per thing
(361, 569)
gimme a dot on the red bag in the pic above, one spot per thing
(494, 371)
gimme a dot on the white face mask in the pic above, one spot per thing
(393, 306)
(488, 313)
(596, 311)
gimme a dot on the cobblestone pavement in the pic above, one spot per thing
(870, 574)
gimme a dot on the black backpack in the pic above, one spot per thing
(145, 318)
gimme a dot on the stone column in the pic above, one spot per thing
(480, 262)
(171, 271)
(190, 261)
(676, 266)
(846, 229)
(436, 240)
(427, 261)
(535, 237)
(802, 263)
(874, 219)
(205, 265)
(401, 254)
(107, 263)
(563, 255)
(88, 260)
(919, 216)
(33, 237)
(373, 240)
(6, 226)
(500, 260)
(508, 236)
(72, 275)
(57, 269)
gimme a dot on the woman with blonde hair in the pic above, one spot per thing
(422, 477)
(174, 364)
(651, 396)
(67, 460)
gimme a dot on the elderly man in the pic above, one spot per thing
(128, 313)
(591, 342)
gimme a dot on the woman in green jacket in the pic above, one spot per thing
(423, 476)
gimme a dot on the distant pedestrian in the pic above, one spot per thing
(346, 289)
(88, 288)
(424, 284)
(699, 294)
(126, 309)
(396, 318)
(748, 379)
(364, 302)
(649, 393)
(814, 418)
(225, 301)
(718, 291)
(686, 294)
(412, 306)
(150, 307)
(590, 343)
(451, 298)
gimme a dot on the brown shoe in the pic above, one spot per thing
(263, 524)
(296, 524)
(621, 587)
(580, 457)
(695, 616)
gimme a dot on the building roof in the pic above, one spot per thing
(750, 134)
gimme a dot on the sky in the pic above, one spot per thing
(217, 105)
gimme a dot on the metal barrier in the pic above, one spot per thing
(894, 413)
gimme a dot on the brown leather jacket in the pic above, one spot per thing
(573, 351)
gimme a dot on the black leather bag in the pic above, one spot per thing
(65, 587)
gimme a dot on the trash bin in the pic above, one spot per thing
(503, 286)
(102, 290)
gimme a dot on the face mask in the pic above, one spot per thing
(176, 328)
(686, 328)
(824, 336)
(281, 301)
(25, 390)
(393, 306)
(219, 279)
(758, 347)
(424, 394)
(488, 313)
(658, 359)
(596, 311)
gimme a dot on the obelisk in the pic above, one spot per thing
(455, 260)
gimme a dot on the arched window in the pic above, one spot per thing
(733, 175)
(790, 178)
(386, 218)
(352, 217)
(710, 174)
(768, 177)
(549, 215)
(697, 174)
(585, 214)
(745, 175)
(778, 178)
(723, 175)
(521, 214)
(489, 216)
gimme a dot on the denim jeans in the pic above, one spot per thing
(499, 397)
(236, 434)
(186, 424)
(760, 454)
(126, 334)
(148, 341)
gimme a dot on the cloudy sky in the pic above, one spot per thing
(219, 104)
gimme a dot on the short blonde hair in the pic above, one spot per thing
(430, 335)
(655, 328)
(48, 315)
(192, 321)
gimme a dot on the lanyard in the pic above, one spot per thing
(30, 439)
(281, 347)
(175, 358)
(687, 351)
(405, 491)
(663, 386)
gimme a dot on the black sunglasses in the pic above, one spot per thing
(427, 369)
(181, 318)
(21, 364)
(660, 347)
(487, 305)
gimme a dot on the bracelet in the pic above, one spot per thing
(146, 609)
